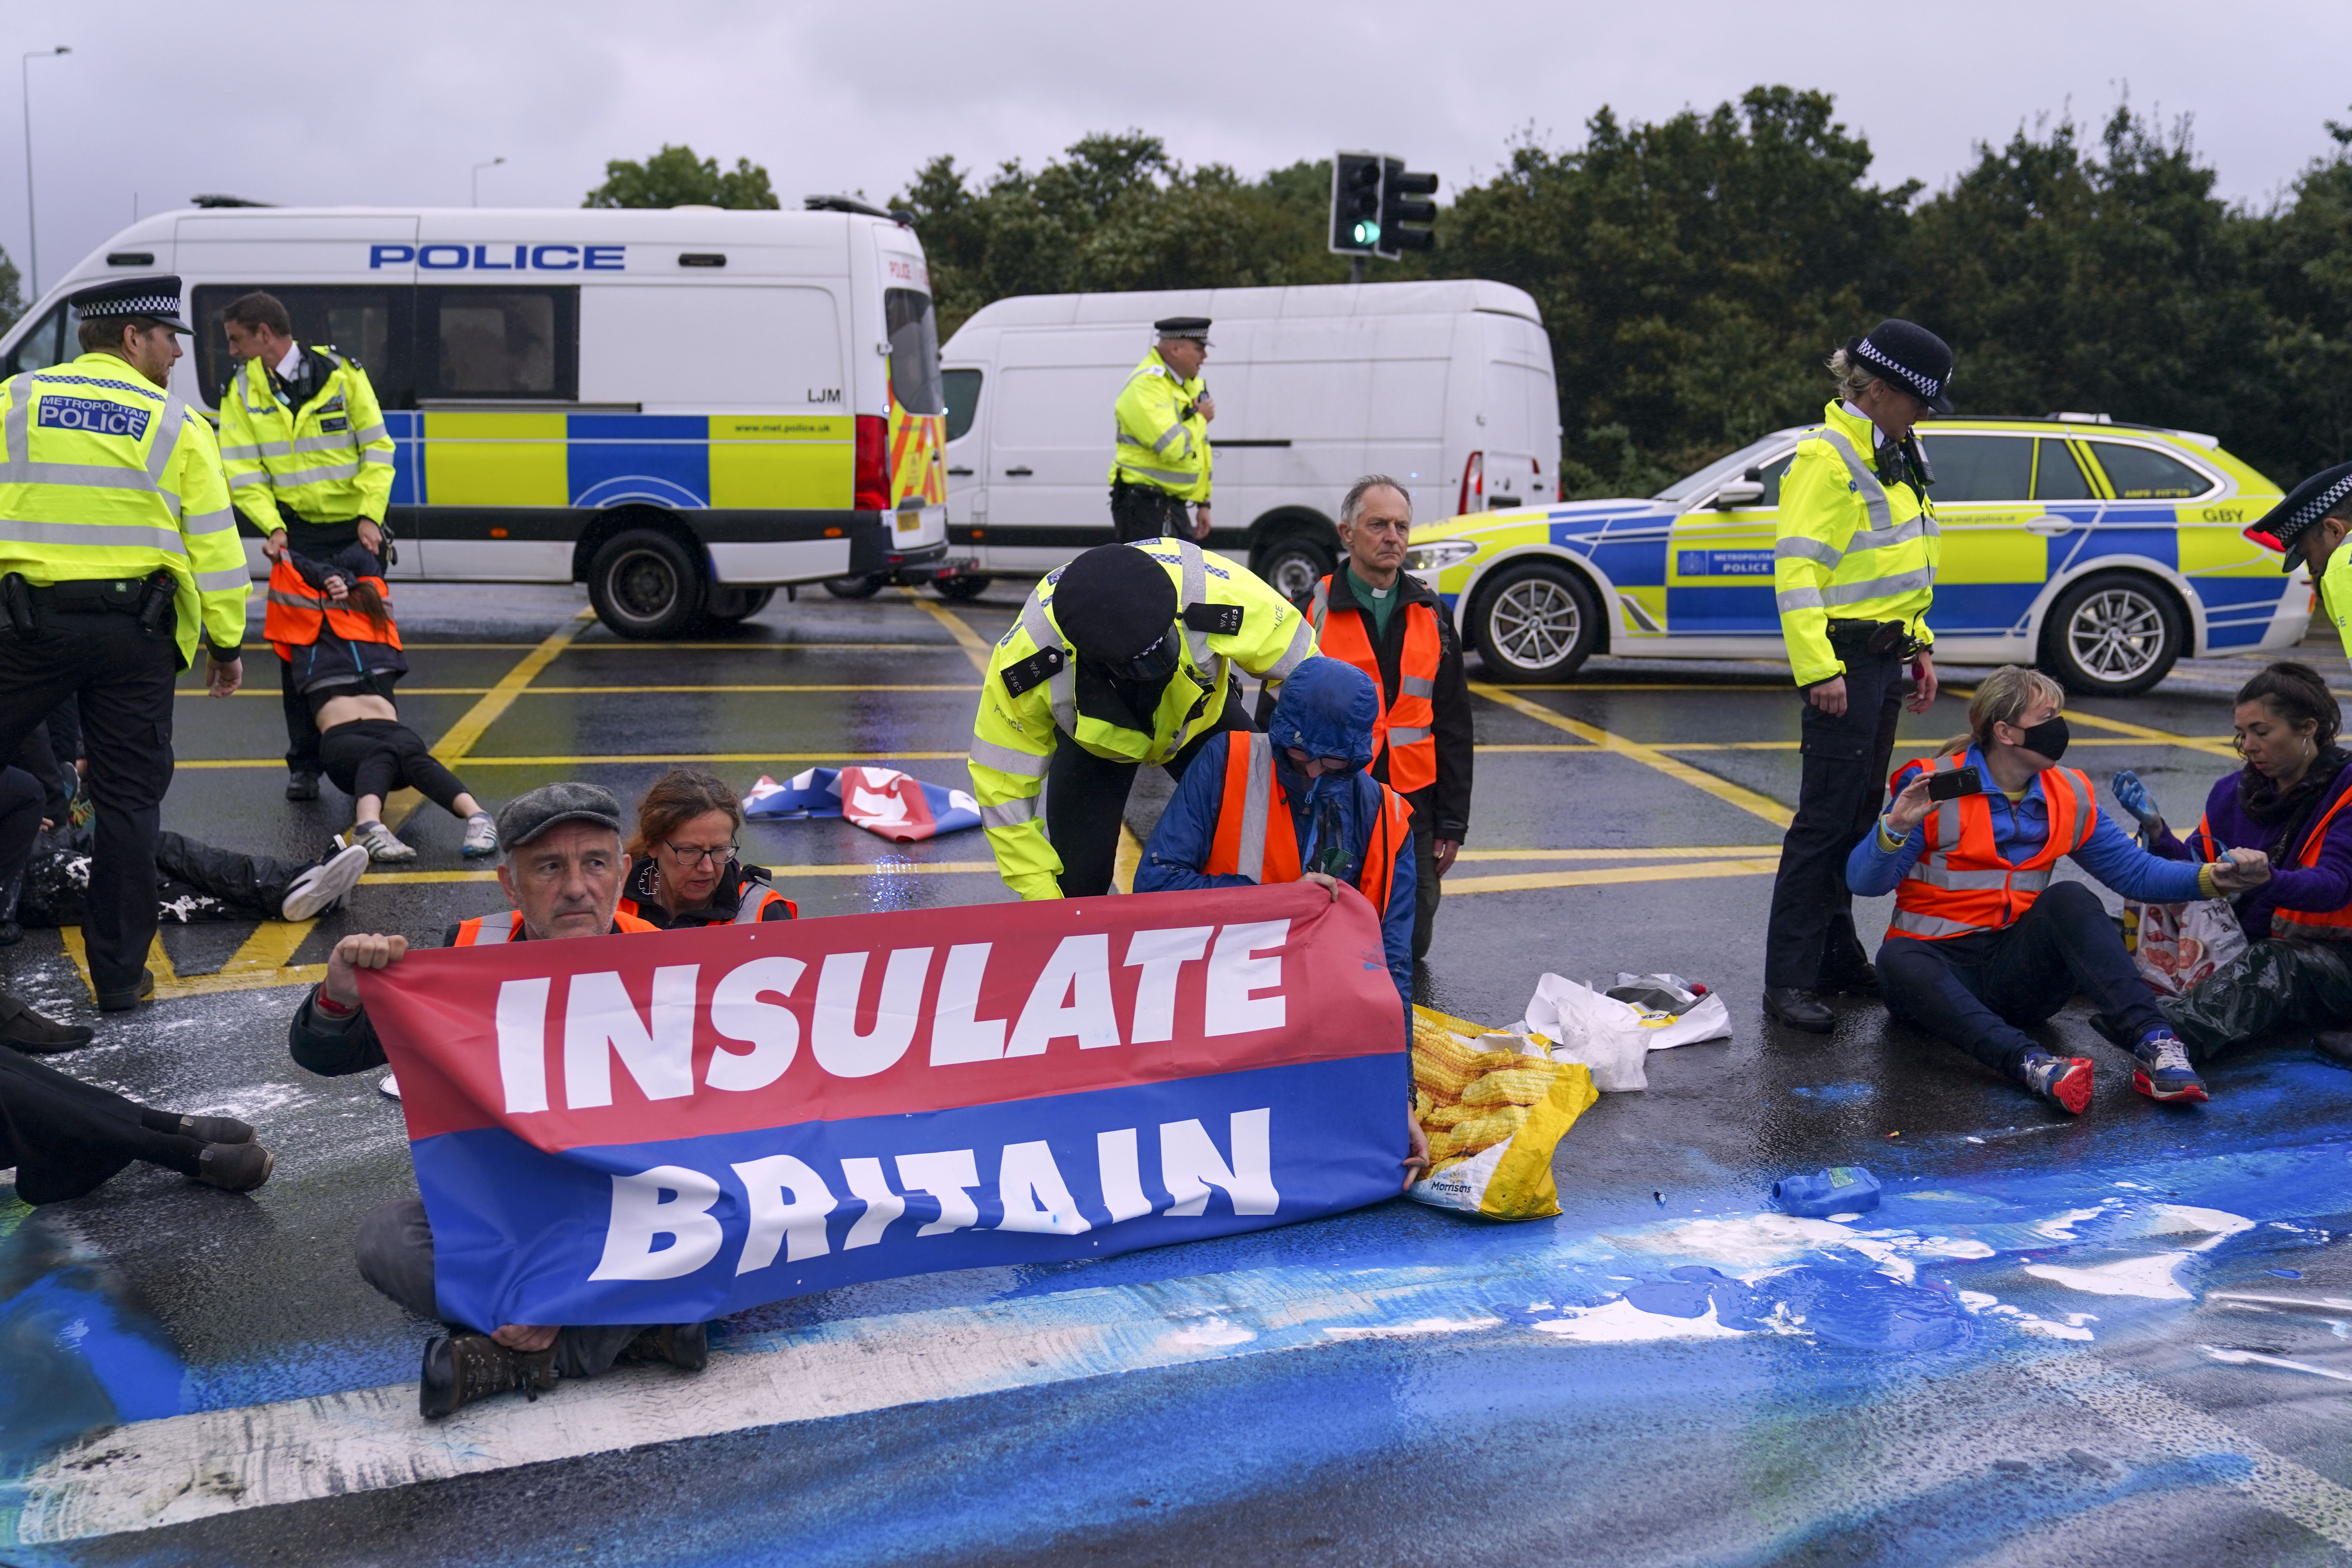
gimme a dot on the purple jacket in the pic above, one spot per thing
(2325, 886)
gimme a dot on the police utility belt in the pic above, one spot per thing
(24, 605)
(1886, 638)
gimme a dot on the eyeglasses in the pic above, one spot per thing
(695, 854)
(1330, 764)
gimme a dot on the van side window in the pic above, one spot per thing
(369, 324)
(42, 347)
(962, 390)
(498, 343)
(914, 351)
(1980, 467)
(2138, 474)
(2056, 475)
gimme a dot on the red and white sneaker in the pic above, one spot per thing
(2063, 1079)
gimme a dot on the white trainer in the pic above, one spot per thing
(322, 887)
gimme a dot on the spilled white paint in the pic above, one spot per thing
(2061, 1227)
(2256, 1358)
(1415, 1329)
(1212, 1333)
(2149, 1276)
(1620, 1322)
(2180, 1219)
(1982, 1305)
(1741, 1241)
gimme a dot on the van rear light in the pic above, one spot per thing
(1540, 492)
(870, 475)
(1474, 482)
(2264, 537)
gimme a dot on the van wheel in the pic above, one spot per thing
(2114, 635)
(728, 605)
(853, 587)
(1295, 563)
(1535, 622)
(646, 585)
(962, 585)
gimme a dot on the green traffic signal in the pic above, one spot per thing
(1367, 234)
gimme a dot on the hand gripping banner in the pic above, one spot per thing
(671, 1127)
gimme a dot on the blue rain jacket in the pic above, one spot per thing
(1326, 709)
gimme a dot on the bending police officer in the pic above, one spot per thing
(118, 554)
(2309, 523)
(1853, 571)
(1161, 458)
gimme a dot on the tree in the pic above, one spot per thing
(12, 292)
(675, 178)
(2301, 256)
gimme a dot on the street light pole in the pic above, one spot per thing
(32, 235)
(490, 164)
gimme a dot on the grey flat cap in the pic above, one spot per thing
(530, 813)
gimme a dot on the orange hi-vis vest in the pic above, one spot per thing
(488, 930)
(1256, 838)
(1407, 715)
(1960, 884)
(750, 910)
(2317, 925)
(297, 611)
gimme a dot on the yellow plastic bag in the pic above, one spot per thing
(1491, 1117)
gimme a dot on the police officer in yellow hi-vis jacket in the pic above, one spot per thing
(1853, 571)
(310, 465)
(117, 555)
(1162, 458)
(1122, 657)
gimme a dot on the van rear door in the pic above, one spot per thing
(1521, 417)
(1050, 435)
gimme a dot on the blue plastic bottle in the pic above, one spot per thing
(1841, 1189)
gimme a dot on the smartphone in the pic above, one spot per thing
(1953, 784)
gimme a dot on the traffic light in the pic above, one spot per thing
(1400, 205)
(1356, 179)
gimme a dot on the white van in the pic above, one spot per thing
(1448, 386)
(684, 409)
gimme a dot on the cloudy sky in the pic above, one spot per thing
(329, 101)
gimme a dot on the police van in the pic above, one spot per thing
(1446, 385)
(684, 409)
(2102, 551)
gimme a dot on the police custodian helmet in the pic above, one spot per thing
(1910, 356)
(154, 298)
(2300, 511)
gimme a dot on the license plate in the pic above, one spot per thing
(910, 521)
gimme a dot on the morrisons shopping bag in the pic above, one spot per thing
(1613, 1032)
(1493, 1106)
(2174, 946)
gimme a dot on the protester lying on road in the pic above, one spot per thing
(683, 866)
(563, 870)
(2288, 802)
(67, 1138)
(1294, 805)
(1983, 945)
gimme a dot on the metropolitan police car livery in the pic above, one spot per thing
(2100, 552)
(684, 409)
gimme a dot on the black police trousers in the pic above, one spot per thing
(1840, 792)
(123, 678)
(1085, 802)
(1139, 512)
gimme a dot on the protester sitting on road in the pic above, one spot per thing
(346, 675)
(2288, 802)
(683, 865)
(1294, 804)
(67, 1138)
(1983, 945)
(563, 871)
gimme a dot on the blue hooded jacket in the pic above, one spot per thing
(1326, 708)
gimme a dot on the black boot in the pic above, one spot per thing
(461, 1368)
(23, 1029)
(1800, 1009)
(123, 1001)
(235, 1167)
(2335, 1045)
(686, 1345)
(301, 787)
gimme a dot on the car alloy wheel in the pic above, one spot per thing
(2116, 634)
(1534, 622)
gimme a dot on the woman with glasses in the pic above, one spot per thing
(683, 869)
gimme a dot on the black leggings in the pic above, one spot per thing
(376, 756)
(67, 1136)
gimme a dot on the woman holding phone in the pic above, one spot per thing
(1984, 944)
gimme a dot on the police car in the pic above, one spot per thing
(2101, 552)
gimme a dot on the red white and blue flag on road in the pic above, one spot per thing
(673, 1126)
(896, 806)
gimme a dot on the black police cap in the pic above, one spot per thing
(2304, 505)
(1910, 356)
(155, 298)
(1183, 327)
(1113, 603)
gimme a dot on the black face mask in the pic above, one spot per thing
(1154, 663)
(2048, 737)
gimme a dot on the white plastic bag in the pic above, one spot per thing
(2174, 946)
(1613, 1038)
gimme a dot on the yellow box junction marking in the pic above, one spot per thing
(1724, 790)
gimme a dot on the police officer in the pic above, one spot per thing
(1121, 657)
(310, 465)
(1853, 571)
(2310, 523)
(1161, 460)
(117, 555)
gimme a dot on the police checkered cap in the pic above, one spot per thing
(153, 298)
(2304, 506)
(1914, 356)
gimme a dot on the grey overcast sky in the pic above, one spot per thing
(329, 101)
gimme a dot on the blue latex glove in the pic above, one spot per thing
(2133, 796)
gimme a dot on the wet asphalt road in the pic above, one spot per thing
(1982, 1413)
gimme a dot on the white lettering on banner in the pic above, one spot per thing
(1162, 954)
(523, 1043)
(1027, 1176)
(789, 1203)
(867, 1184)
(1122, 1176)
(834, 1038)
(949, 1175)
(770, 1029)
(1072, 996)
(958, 1034)
(1233, 973)
(641, 1217)
(1190, 1166)
(599, 1019)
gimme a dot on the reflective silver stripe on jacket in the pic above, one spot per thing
(1406, 737)
(209, 521)
(1301, 650)
(374, 432)
(1796, 549)
(296, 601)
(1062, 686)
(1257, 797)
(1882, 531)
(339, 441)
(1319, 607)
(1938, 875)
(238, 453)
(222, 581)
(494, 930)
(749, 908)
(317, 476)
(1192, 590)
(1910, 922)
(105, 535)
(251, 477)
(1416, 686)
(1877, 587)
(375, 461)
(1008, 813)
(1006, 760)
(1169, 477)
